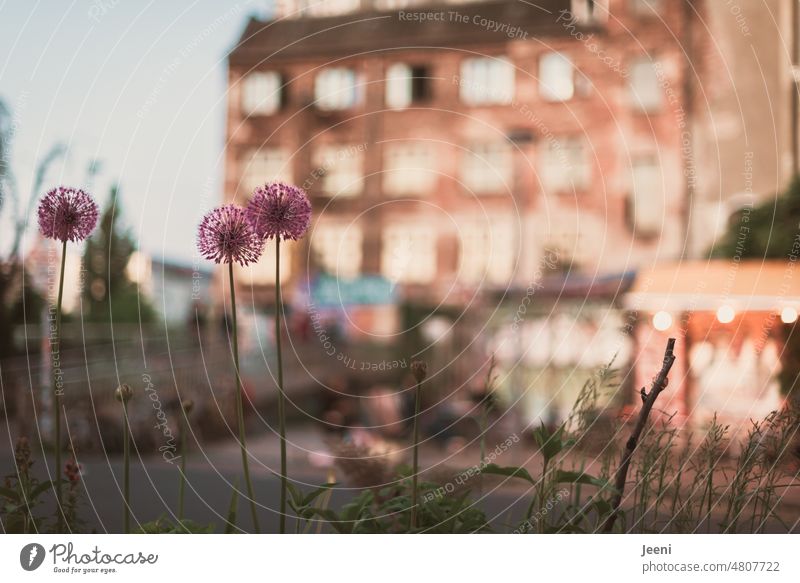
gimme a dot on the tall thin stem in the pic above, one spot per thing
(281, 394)
(415, 464)
(542, 492)
(58, 391)
(126, 469)
(182, 483)
(239, 404)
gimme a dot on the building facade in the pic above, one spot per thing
(453, 146)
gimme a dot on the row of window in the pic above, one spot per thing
(487, 249)
(482, 81)
(410, 168)
(408, 252)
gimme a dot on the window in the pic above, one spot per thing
(340, 169)
(646, 204)
(406, 84)
(589, 11)
(486, 81)
(645, 86)
(265, 165)
(646, 7)
(396, 4)
(327, 7)
(486, 252)
(335, 88)
(556, 77)
(338, 248)
(408, 253)
(262, 93)
(409, 168)
(263, 272)
(564, 165)
(488, 167)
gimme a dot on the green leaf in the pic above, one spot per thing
(314, 494)
(295, 495)
(603, 507)
(510, 471)
(40, 488)
(436, 511)
(332, 518)
(353, 510)
(551, 444)
(9, 493)
(562, 477)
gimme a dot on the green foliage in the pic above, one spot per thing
(21, 495)
(551, 443)
(677, 484)
(164, 525)
(301, 503)
(108, 291)
(770, 231)
(767, 231)
(388, 510)
(511, 472)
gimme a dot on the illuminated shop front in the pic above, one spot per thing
(731, 320)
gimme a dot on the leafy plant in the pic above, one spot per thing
(164, 525)
(301, 503)
(21, 494)
(388, 510)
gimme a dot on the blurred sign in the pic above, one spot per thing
(365, 290)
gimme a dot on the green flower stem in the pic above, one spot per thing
(126, 470)
(182, 482)
(542, 491)
(58, 392)
(281, 394)
(415, 469)
(239, 405)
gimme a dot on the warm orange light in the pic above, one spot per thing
(726, 314)
(662, 321)
(788, 315)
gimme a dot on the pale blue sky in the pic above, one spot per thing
(138, 84)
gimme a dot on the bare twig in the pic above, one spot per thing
(649, 399)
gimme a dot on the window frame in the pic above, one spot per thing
(332, 101)
(479, 92)
(635, 97)
(548, 92)
(251, 105)
(472, 160)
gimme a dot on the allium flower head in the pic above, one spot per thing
(226, 236)
(279, 210)
(67, 214)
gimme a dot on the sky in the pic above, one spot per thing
(137, 84)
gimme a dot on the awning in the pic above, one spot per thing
(760, 286)
(577, 285)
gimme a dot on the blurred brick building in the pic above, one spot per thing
(452, 145)
(456, 147)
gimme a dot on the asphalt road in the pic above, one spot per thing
(211, 475)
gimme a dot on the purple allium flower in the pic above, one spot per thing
(279, 210)
(67, 214)
(226, 236)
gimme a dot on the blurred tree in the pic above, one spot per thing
(774, 233)
(18, 301)
(109, 294)
(773, 228)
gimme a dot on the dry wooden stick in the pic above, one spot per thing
(648, 400)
